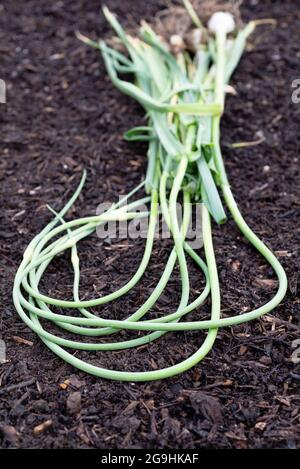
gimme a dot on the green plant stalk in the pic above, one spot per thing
(53, 341)
(171, 154)
(225, 186)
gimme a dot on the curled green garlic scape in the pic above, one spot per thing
(184, 99)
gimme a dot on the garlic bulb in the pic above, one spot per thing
(221, 21)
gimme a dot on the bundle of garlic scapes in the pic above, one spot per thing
(184, 98)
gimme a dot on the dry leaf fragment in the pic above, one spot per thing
(260, 426)
(74, 402)
(10, 434)
(65, 384)
(20, 340)
(283, 400)
(243, 349)
(208, 405)
(265, 283)
(42, 427)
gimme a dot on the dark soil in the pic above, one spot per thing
(63, 115)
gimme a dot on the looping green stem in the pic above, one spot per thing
(184, 102)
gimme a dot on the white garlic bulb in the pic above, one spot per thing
(221, 21)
